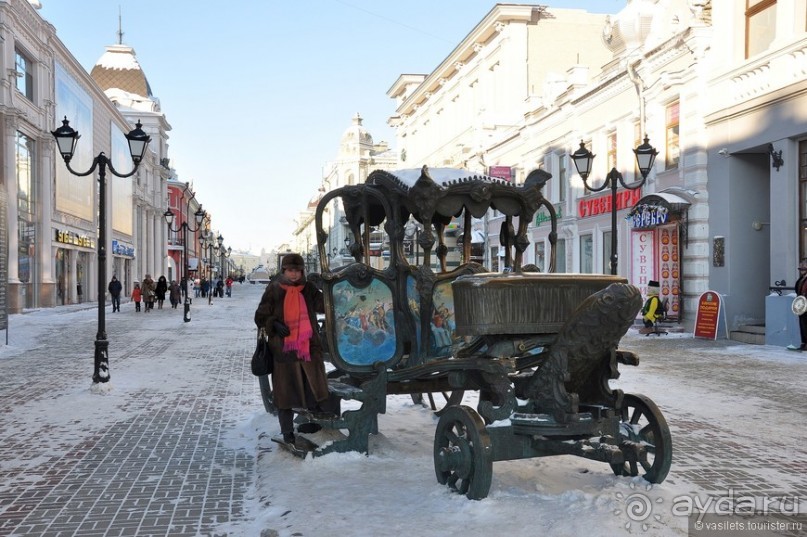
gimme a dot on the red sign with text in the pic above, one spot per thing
(708, 315)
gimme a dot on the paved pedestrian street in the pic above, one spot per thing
(155, 458)
(169, 449)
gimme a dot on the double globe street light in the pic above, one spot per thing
(185, 227)
(583, 159)
(66, 140)
(224, 254)
(208, 245)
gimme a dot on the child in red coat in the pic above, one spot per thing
(137, 295)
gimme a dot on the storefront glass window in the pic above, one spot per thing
(586, 254)
(560, 259)
(606, 252)
(26, 203)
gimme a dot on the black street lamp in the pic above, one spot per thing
(66, 139)
(209, 246)
(583, 159)
(224, 254)
(185, 227)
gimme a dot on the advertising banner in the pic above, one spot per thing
(708, 316)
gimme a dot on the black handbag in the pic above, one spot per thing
(262, 360)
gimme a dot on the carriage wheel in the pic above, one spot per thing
(463, 452)
(642, 421)
(265, 381)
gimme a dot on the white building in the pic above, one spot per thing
(50, 216)
(714, 85)
(357, 157)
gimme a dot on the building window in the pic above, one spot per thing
(540, 255)
(562, 179)
(26, 203)
(25, 75)
(803, 199)
(611, 157)
(673, 150)
(637, 141)
(760, 26)
(606, 252)
(586, 254)
(560, 258)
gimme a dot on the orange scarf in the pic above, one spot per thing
(295, 315)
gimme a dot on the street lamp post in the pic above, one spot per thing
(645, 156)
(209, 246)
(66, 139)
(224, 254)
(185, 227)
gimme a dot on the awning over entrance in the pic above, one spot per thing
(655, 209)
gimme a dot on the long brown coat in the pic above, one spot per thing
(290, 373)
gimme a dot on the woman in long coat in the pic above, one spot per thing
(299, 379)
(160, 290)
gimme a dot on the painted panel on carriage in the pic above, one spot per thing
(444, 339)
(365, 323)
(413, 299)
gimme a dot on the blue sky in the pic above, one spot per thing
(259, 92)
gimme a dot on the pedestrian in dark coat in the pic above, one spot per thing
(115, 289)
(174, 293)
(162, 288)
(288, 312)
(801, 290)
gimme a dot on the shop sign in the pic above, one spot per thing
(69, 237)
(708, 315)
(502, 172)
(122, 248)
(644, 216)
(602, 204)
(543, 215)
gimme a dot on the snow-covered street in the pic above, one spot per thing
(180, 444)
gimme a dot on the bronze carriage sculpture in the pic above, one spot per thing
(540, 348)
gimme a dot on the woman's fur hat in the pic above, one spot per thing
(292, 261)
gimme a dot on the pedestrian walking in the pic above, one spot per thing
(288, 312)
(137, 295)
(149, 287)
(229, 285)
(174, 294)
(219, 288)
(801, 290)
(115, 289)
(160, 290)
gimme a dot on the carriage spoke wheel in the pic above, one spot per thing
(463, 453)
(642, 422)
(267, 395)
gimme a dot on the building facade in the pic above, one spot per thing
(717, 87)
(49, 216)
(357, 157)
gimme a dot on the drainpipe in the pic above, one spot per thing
(639, 85)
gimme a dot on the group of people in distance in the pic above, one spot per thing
(152, 292)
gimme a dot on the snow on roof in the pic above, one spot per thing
(118, 57)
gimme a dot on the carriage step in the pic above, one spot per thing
(544, 424)
(346, 391)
